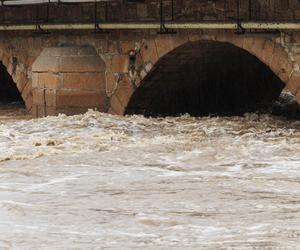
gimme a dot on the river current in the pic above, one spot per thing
(98, 181)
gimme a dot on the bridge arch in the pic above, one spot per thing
(173, 54)
(14, 83)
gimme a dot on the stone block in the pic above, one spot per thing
(164, 44)
(80, 99)
(120, 63)
(267, 52)
(258, 47)
(149, 52)
(84, 81)
(76, 64)
(38, 96)
(294, 83)
(248, 43)
(111, 82)
(46, 64)
(116, 106)
(51, 111)
(279, 60)
(236, 40)
(50, 97)
(41, 111)
(49, 81)
(26, 91)
(124, 91)
(21, 81)
(126, 46)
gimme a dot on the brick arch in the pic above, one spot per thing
(16, 67)
(154, 49)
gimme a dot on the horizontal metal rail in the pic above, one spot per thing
(45, 2)
(157, 25)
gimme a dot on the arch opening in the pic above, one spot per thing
(9, 92)
(206, 78)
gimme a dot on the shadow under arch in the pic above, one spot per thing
(8, 89)
(205, 77)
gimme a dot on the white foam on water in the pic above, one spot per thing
(100, 181)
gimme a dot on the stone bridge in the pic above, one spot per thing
(140, 71)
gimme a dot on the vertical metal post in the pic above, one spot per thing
(105, 11)
(48, 11)
(238, 11)
(225, 9)
(250, 10)
(172, 10)
(163, 29)
(161, 15)
(240, 29)
(38, 29)
(95, 15)
(97, 29)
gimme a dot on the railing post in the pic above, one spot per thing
(163, 29)
(240, 29)
(97, 29)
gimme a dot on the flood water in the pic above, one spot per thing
(97, 181)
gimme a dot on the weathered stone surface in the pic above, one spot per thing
(49, 81)
(75, 64)
(76, 81)
(83, 81)
(98, 64)
(80, 99)
(294, 83)
(46, 64)
(38, 97)
(120, 63)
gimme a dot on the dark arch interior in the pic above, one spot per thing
(8, 89)
(206, 78)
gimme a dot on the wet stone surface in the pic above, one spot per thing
(97, 181)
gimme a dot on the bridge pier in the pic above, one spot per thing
(69, 80)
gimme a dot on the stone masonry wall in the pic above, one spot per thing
(129, 56)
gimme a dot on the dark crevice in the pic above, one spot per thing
(206, 78)
(8, 89)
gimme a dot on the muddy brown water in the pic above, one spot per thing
(97, 181)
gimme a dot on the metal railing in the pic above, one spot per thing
(100, 15)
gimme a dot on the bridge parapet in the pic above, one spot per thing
(151, 11)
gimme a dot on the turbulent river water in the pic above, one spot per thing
(97, 181)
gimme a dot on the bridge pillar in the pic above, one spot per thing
(69, 80)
